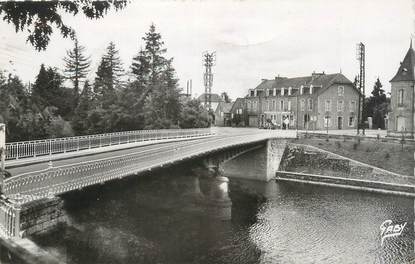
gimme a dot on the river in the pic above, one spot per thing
(162, 217)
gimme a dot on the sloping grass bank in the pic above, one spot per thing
(391, 157)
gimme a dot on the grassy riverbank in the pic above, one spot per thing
(391, 157)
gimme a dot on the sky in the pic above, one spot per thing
(253, 40)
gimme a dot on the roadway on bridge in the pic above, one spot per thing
(222, 133)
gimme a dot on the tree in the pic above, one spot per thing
(38, 18)
(114, 65)
(76, 66)
(156, 84)
(23, 118)
(48, 92)
(193, 115)
(85, 106)
(376, 105)
(107, 80)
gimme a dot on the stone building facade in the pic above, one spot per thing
(401, 118)
(311, 102)
(239, 113)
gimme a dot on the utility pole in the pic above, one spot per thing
(360, 56)
(209, 60)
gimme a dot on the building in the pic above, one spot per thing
(315, 101)
(401, 117)
(238, 113)
(215, 99)
(223, 114)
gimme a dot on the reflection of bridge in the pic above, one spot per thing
(57, 166)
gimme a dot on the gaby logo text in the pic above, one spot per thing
(388, 229)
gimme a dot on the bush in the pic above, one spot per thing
(338, 144)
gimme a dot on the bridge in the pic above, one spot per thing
(44, 169)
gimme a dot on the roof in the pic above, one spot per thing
(238, 103)
(224, 107)
(406, 69)
(317, 80)
(213, 97)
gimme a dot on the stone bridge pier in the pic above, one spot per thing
(266, 157)
(260, 163)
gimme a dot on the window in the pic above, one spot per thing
(340, 90)
(351, 121)
(400, 97)
(252, 93)
(273, 105)
(254, 108)
(281, 105)
(352, 106)
(289, 105)
(340, 105)
(328, 106)
(310, 104)
(302, 104)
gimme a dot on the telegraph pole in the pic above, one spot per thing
(360, 55)
(209, 60)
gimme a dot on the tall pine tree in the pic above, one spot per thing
(108, 76)
(86, 104)
(114, 66)
(377, 105)
(156, 85)
(76, 66)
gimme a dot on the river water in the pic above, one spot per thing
(165, 218)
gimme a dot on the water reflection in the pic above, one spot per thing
(174, 216)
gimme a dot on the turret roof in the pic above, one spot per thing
(406, 69)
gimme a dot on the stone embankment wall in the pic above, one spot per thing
(312, 160)
(41, 216)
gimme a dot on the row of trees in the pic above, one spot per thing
(146, 96)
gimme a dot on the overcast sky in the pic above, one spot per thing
(252, 39)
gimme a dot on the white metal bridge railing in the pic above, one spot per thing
(28, 149)
(9, 219)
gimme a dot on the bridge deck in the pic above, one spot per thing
(35, 181)
(30, 165)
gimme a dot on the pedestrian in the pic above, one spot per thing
(286, 123)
